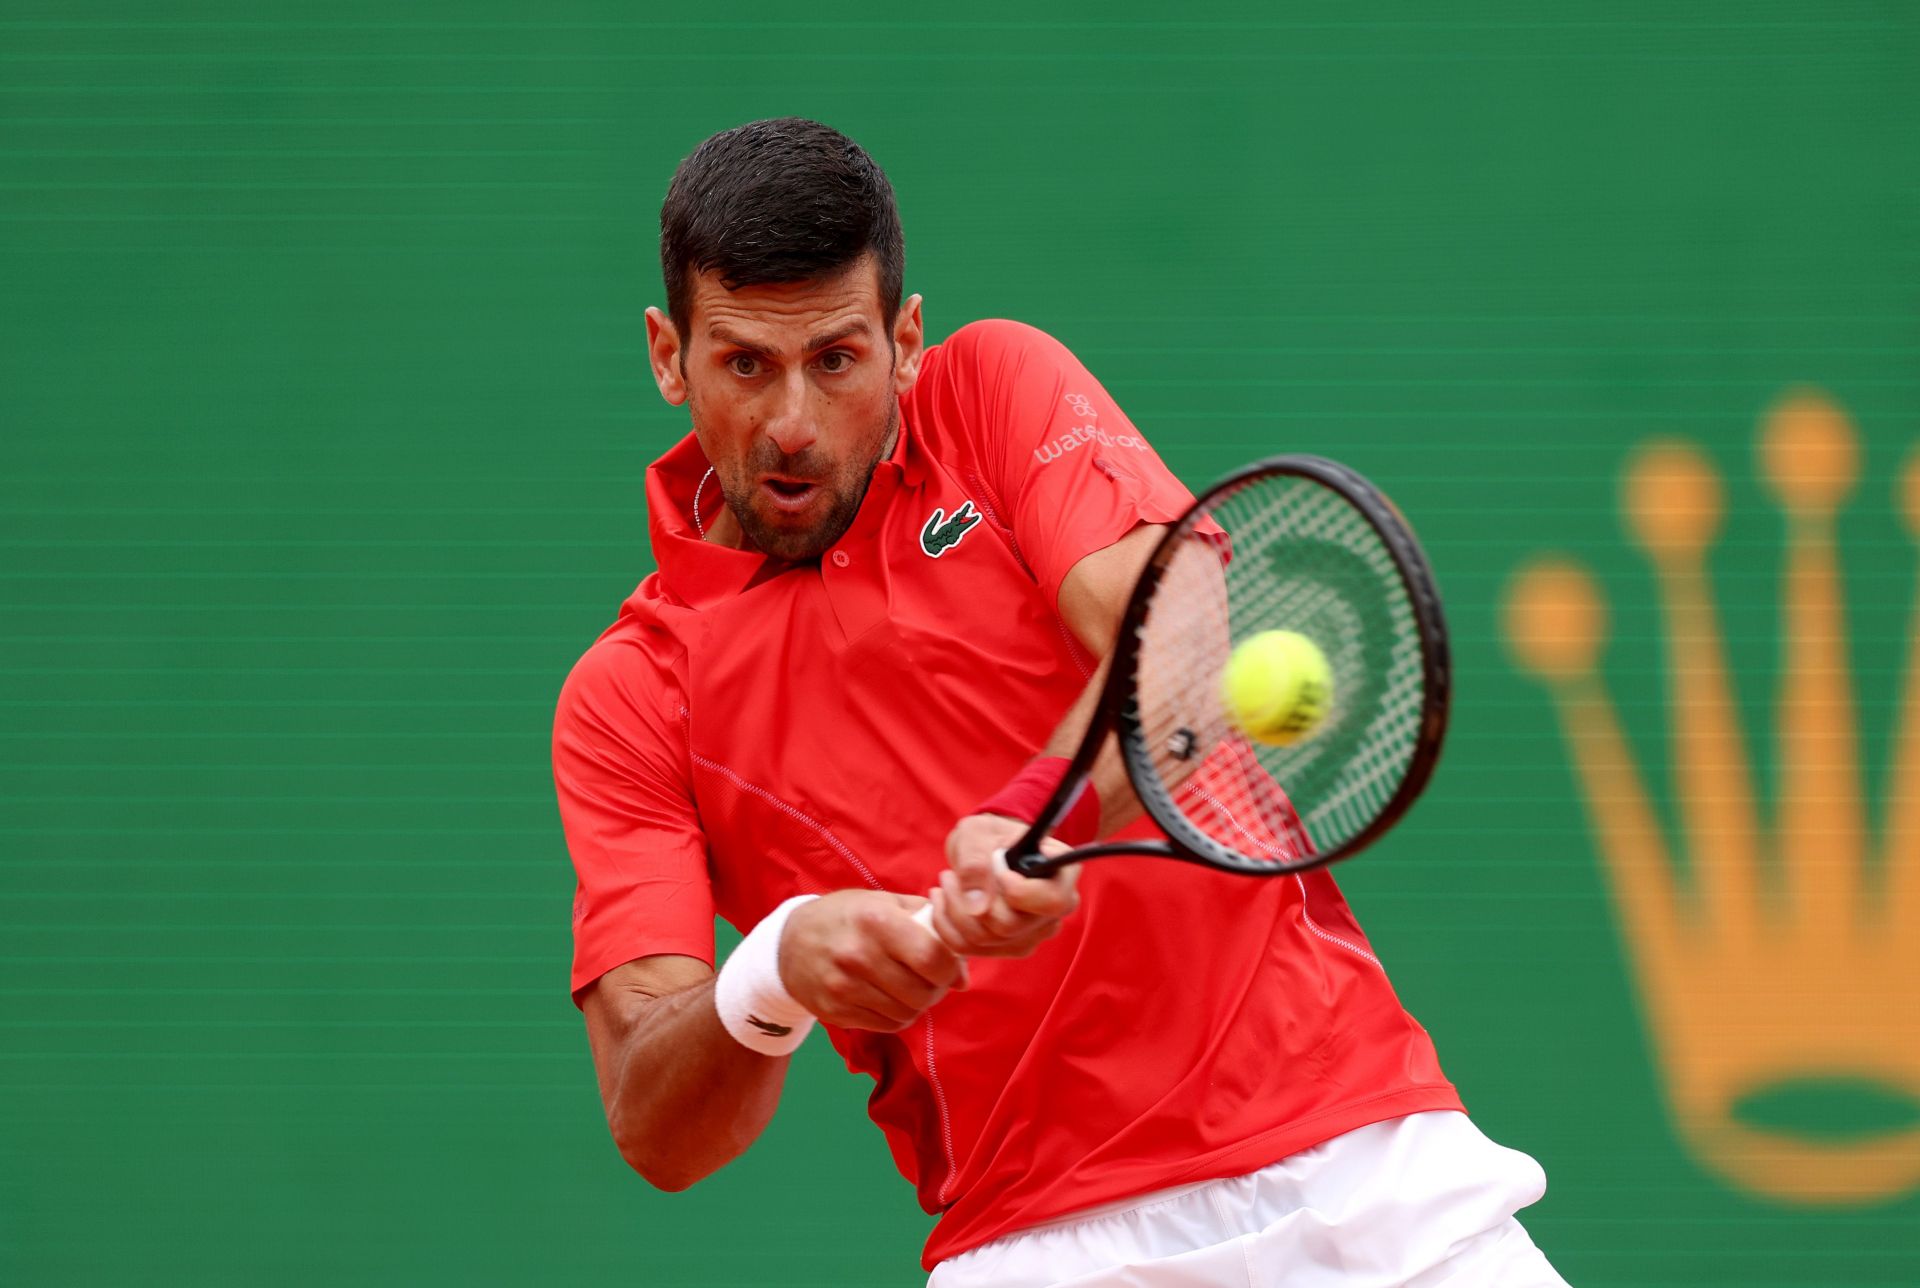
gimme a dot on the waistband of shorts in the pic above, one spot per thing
(1119, 1207)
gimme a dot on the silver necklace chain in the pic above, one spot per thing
(698, 526)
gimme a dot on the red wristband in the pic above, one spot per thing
(1028, 792)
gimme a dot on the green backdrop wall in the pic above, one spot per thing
(323, 418)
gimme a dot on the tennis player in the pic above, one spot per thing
(886, 574)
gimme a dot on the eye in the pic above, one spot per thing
(835, 361)
(743, 364)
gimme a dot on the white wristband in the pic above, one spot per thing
(754, 1005)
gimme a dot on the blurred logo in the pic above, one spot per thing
(1778, 969)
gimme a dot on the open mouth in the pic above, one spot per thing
(790, 495)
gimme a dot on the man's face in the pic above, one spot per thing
(794, 394)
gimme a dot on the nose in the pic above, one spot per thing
(791, 425)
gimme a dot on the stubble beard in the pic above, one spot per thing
(844, 493)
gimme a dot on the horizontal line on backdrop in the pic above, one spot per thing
(222, 1057)
(276, 153)
(168, 896)
(1065, 90)
(940, 24)
(490, 641)
(208, 958)
(303, 767)
(273, 511)
(572, 1085)
(309, 217)
(290, 185)
(320, 735)
(543, 926)
(310, 543)
(494, 832)
(569, 1025)
(435, 670)
(275, 703)
(244, 605)
(677, 57)
(1576, 350)
(943, 24)
(145, 990)
(430, 575)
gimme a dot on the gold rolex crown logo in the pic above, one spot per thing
(1786, 954)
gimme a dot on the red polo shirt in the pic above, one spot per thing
(747, 731)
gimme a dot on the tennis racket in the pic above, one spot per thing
(1298, 544)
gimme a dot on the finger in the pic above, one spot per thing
(965, 933)
(1000, 918)
(859, 1017)
(947, 933)
(858, 992)
(1023, 944)
(1051, 897)
(1004, 921)
(984, 935)
(987, 934)
(974, 868)
(925, 955)
(901, 982)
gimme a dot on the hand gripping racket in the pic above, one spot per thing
(1293, 544)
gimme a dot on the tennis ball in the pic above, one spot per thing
(1277, 687)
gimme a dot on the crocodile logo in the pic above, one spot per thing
(943, 531)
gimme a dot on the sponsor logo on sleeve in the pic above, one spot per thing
(1081, 435)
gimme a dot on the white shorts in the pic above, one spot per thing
(1424, 1201)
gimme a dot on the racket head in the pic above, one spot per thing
(1299, 544)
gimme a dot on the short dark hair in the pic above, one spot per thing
(777, 201)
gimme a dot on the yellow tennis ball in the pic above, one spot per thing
(1277, 687)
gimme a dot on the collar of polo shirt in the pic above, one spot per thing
(696, 571)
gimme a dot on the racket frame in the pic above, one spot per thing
(1118, 713)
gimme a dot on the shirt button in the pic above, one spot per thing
(840, 559)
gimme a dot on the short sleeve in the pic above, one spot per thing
(638, 853)
(1071, 472)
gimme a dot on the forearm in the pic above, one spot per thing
(1118, 805)
(1093, 599)
(683, 1098)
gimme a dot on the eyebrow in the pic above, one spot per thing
(725, 336)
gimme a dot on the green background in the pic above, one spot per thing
(323, 419)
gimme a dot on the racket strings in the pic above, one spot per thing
(1281, 553)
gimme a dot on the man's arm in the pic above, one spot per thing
(1009, 915)
(682, 1097)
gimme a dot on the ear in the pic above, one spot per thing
(663, 352)
(909, 344)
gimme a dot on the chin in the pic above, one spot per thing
(792, 545)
